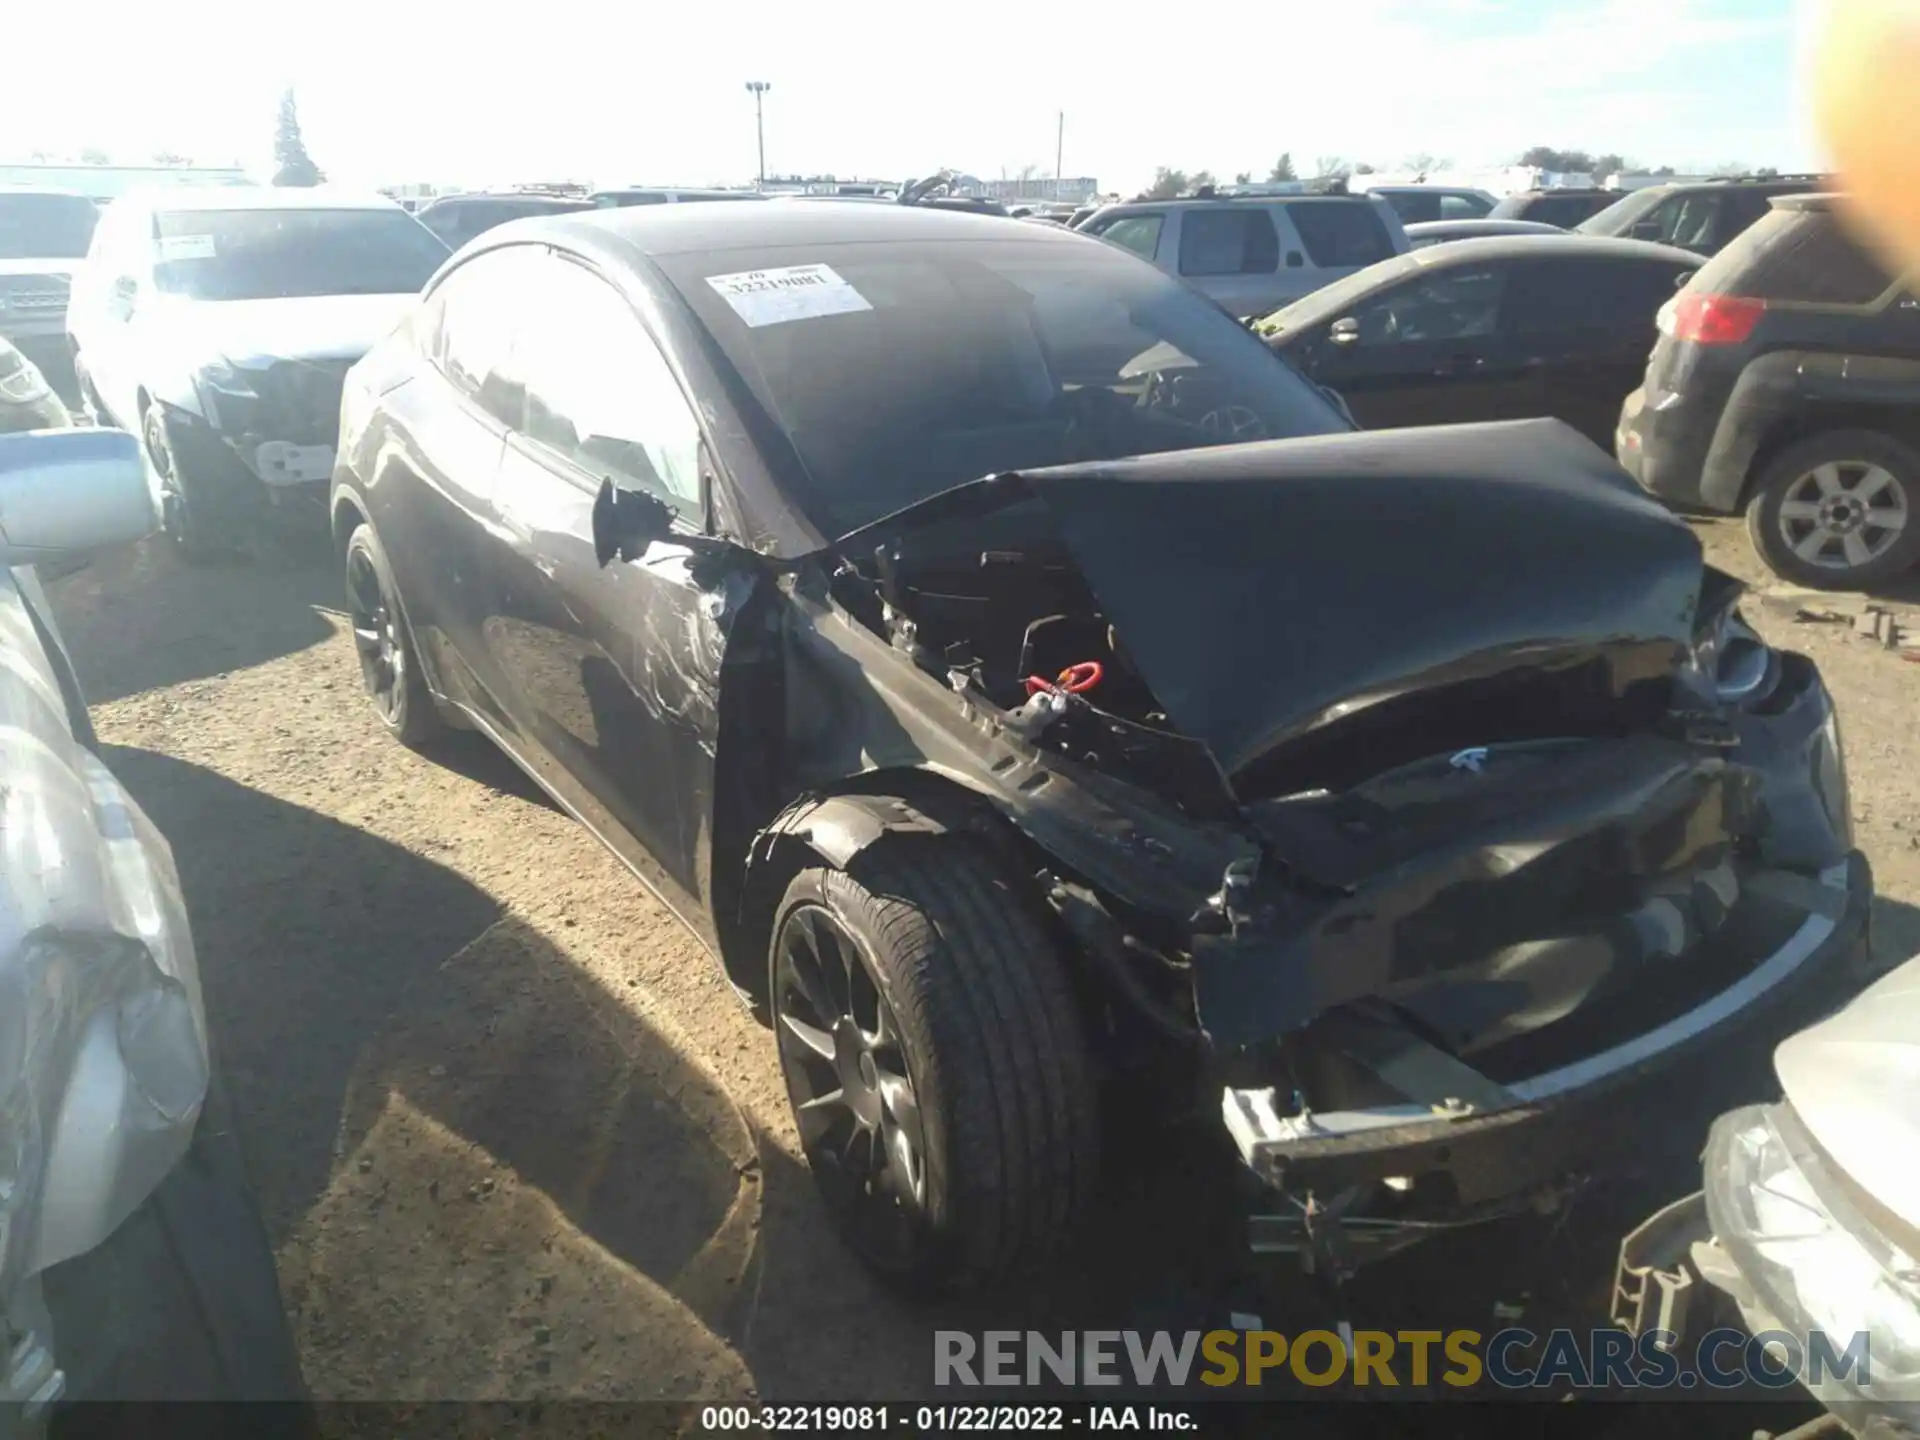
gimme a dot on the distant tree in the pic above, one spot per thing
(296, 167)
(1283, 168)
(1424, 163)
(38, 157)
(93, 155)
(1201, 179)
(167, 157)
(1604, 165)
(1578, 162)
(1729, 167)
(1663, 170)
(1331, 167)
(1027, 171)
(1166, 184)
(1365, 169)
(1767, 172)
(1243, 177)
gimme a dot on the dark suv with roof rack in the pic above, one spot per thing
(1786, 382)
(1702, 216)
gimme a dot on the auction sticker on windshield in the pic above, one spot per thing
(186, 247)
(792, 292)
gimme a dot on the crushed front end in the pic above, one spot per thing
(1436, 854)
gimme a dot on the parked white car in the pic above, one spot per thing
(217, 325)
(1253, 254)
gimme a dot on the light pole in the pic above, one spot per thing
(758, 89)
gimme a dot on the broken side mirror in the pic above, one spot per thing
(626, 522)
(1344, 331)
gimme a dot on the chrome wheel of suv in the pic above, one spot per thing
(1835, 511)
(1843, 515)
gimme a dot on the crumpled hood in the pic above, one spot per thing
(1264, 589)
(253, 333)
(1854, 1079)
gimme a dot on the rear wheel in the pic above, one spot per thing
(389, 665)
(1837, 511)
(935, 1062)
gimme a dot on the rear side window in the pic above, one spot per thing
(1572, 296)
(1416, 209)
(1797, 255)
(472, 319)
(1228, 242)
(1462, 207)
(1138, 233)
(1337, 234)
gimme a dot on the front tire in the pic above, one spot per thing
(389, 663)
(936, 1063)
(183, 502)
(1838, 511)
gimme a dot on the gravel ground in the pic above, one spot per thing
(515, 1139)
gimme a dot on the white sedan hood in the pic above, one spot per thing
(1854, 1079)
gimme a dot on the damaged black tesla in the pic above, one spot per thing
(1017, 677)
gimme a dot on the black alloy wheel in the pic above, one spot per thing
(389, 667)
(936, 1060)
(851, 1086)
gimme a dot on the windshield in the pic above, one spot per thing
(902, 370)
(1618, 217)
(46, 227)
(280, 254)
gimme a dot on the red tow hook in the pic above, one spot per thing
(1074, 680)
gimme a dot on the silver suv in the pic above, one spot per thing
(1253, 254)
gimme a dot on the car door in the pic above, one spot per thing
(1583, 328)
(611, 672)
(451, 421)
(1425, 351)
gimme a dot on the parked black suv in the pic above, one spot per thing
(1786, 381)
(1702, 216)
(1565, 208)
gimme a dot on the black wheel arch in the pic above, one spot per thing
(834, 827)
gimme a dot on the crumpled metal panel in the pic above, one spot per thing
(103, 1052)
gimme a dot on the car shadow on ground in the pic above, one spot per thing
(485, 1175)
(139, 618)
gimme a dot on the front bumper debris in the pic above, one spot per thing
(1498, 1147)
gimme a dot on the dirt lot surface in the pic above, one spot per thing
(512, 1135)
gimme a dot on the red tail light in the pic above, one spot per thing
(1715, 319)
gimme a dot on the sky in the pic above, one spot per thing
(392, 91)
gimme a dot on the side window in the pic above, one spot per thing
(1556, 297)
(600, 393)
(1341, 234)
(1455, 304)
(1225, 241)
(1138, 233)
(470, 331)
(1415, 209)
(1462, 207)
(1685, 220)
